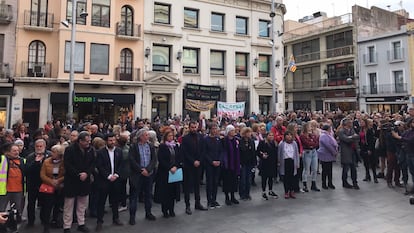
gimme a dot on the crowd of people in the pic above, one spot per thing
(69, 171)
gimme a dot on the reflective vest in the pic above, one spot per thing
(4, 165)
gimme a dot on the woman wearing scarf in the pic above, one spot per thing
(328, 149)
(52, 174)
(231, 165)
(169, 161)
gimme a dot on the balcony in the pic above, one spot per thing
(322, 84)
(308, 57)
(39, 21)
(6, 13)
(128, 32)
(385, 89)
(32, 69)
(396, 55)
(123, 74)
(341, 51)
(370, 59)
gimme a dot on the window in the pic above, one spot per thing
(307, 50)
(371, 54)
(99, 63)
(373, 83)
(38, 13)
(190, 18)
(396, 50)
(125, 69)
(264, 66)
(162, 13)
(37, 59)
(161, 58)
(241, 25)
(126, 27)
(399, 81)
(81, 6)
(242, 64)
(217, 62)
(101, 13)
(217, 22)
(339, 40)
(78, 60)
(264, 30)
(190, 60)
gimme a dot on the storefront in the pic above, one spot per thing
(94, 107)
(386, 104)
(5, 97)
(344, 100)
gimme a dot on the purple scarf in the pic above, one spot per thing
(232, 159)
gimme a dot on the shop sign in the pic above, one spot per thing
(201, 92)
(83, 99)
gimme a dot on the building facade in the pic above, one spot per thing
(384, 71)
(326, 54)
(108, 60)
(8, 13)
(214, 43)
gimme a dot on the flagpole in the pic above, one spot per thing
(273, 59)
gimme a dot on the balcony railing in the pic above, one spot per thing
(370, 59)
(124, 74)
(308, 57)
(342, 51)
(396, 55)
(395, 88)
(32, 69)
(317, 84)
(35, 19)
(128, 31)
(6, 13)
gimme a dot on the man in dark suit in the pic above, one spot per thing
(142, 159)
(191, 150)
(108, 163)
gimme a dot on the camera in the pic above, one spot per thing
(12, 214)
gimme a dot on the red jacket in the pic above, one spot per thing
(278, 132)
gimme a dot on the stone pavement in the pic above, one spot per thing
(375, 208)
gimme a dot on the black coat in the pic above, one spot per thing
(247, 152)
(75, 162)
(268, 166)
(103, 165)
(191, 149)
(33, 171)
(166, 160)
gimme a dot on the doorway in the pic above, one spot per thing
(160, 106)
(31, 113)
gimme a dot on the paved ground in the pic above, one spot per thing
(375, 208)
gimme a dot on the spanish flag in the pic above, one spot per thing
(292, 64)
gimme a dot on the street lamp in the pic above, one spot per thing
(83, 14)
(273, 58)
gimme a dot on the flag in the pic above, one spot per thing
(292, 64)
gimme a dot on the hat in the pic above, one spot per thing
(19, 142)
(229, 128)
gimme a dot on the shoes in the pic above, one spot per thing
(331, 186)
(66, 230)
(122, 208)
(200, 207)
(399, 185)
(165, 214)
(216, 204)
(228, 202)
(376, 180)
(172, 213)
(117, 222)
(314, 187)
(83, 228)
(324, 186)
(390, 185)
(132, 221)
(367, 179)
(301, 191)
(380, 175)
(287, 196)
(273, 194)
(211, 205)
(150, 217)
(188, 211)
(292, 195)
(305, 187)
(98, 227)
(347, 185)
(355, 186)
(235, 201)
(265, 196)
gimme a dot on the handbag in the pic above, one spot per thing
(45, 188)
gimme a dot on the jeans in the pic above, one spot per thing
(310, 162)
(245, 181)
(144, 184)
(392, 167)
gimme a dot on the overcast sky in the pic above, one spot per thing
(297, 9)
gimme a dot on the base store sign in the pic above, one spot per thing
(233, 110)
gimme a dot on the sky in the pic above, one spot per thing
(297, 9)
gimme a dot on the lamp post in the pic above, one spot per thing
(83, 14)
(273, 58)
